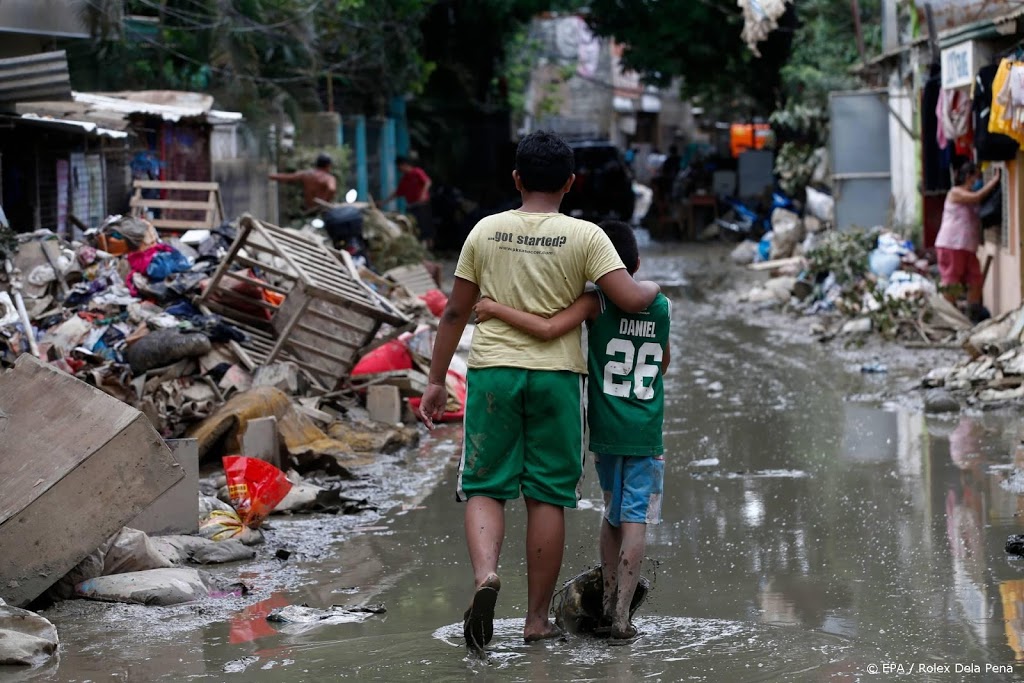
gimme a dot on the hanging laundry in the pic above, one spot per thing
(1006, 118)
(990, 146)
(954, 114)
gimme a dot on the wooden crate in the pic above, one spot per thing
(329, 317)
(182, 205)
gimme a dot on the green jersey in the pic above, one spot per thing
(626, 393)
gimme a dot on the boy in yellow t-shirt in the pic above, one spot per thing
(524, 410)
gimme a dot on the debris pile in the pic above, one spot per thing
(993, 371)
(277, 361)
(859, 282)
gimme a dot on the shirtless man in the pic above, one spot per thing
(317, 183)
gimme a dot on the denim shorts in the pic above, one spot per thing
(632, 487)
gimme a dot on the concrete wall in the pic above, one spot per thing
(244, 188)
(1003, 285)
(903, 156)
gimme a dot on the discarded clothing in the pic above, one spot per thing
(138, 262)
(166, 263)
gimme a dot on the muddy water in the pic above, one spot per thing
(807, 537)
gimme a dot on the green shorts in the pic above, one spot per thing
(523, 434)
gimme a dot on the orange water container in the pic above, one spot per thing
(747, 136)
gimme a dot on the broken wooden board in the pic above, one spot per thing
(75, 466)
(415, 278)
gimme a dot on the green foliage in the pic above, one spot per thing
(700, 41)
(844, 254)
(260, 54)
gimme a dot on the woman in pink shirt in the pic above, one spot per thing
(960, 234)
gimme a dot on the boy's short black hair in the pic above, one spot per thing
(402, 160)
(544, 162)
(624, 241)
(323, 161)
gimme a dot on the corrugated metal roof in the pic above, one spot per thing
(86, 126)
(169, 105)
(33, 78)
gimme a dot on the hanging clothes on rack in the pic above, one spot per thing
(990, 145)
(1007, 117)
(953, 112)
(935, 160)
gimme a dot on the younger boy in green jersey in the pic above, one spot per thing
(628, 354)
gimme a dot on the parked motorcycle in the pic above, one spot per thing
(741, 222)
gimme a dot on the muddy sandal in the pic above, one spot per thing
(478, 621)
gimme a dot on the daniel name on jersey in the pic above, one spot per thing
(637, 328)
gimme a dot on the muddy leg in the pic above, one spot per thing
(545, 542)
(634, 538)
(485, 531)
(611, 543)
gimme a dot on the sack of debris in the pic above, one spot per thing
(578, 604)
(26, 638)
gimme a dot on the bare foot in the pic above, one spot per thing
(546, 632)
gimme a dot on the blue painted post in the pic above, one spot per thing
(398, 113)
(362, 174)
(387, 158)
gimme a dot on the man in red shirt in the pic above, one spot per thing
(414, 188)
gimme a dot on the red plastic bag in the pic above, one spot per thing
(255, 487)
(436, 301)
(388, 357)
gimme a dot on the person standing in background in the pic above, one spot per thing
(414, 188)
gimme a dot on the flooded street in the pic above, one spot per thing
(807, 537)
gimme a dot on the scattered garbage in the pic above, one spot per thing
(26, 639)
(874, 368)
(993, 370)
(1015, 544)
(255, 488)
(336, 614)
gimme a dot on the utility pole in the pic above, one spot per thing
(855, 8)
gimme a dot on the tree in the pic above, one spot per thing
(698, 40)
(251, 52)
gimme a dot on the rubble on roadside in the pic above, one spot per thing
(26, 639)
(857, 283)
(223, 339)
(992, 373)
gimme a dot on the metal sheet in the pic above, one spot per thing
(35, 77)
(859, 149)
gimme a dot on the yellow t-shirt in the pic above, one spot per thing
(538, 263)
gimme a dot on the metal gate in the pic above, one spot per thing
(859, 148)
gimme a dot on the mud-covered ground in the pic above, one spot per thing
(817, 526)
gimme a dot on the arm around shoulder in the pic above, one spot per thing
(626, 293)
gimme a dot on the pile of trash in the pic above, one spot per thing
(862, 281)
(127, 311)
(993, 371)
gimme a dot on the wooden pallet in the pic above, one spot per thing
(182, 205)
(328, 317)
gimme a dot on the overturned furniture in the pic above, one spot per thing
(75, 466)
(318, 313)
(178, 205)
